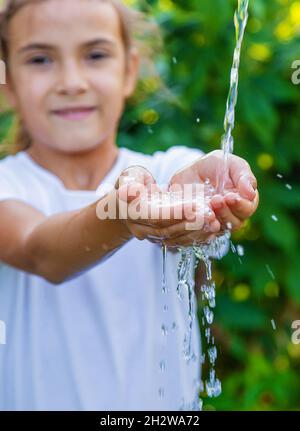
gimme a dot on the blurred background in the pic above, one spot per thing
(258, 290)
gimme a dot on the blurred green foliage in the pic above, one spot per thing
(258, 365)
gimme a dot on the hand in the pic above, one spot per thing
(136, 187)
(240, 199)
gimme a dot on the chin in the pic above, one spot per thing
(75, 149)
(78, 148)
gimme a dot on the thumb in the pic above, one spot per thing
(247, 186)
(133, 182)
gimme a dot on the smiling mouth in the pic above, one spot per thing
(74, 113)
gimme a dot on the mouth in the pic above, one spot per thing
(75, 113)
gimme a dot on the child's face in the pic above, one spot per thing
(68, 72)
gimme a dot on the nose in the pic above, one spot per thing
(72, 80)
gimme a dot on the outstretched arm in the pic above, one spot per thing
(60, 246)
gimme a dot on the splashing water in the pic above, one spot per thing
(164, 283)
(208, 289)
(184, 282)
(164, 329)
(214, 248)
(240, 21)
(204, 253)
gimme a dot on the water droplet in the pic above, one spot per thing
(165, 308)
(273, 324)
(288, 186)
(207, 334)
(208, 212)
(274, 217)
(209, 294)
(279, 176)
(213, 386)
(212, 354)
(161, 392)
(162, 366)
(240, 250)
(198, 120)
(174, 59)
(174, 326)
(164, 267)
(270, 272)
(200, 405)
(209, 315)
(164, 330)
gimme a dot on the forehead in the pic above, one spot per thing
(65, 20)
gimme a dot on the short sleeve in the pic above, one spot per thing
(9, 187)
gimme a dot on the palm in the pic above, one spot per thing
(211, 167)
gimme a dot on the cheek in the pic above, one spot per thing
(30, 103)
(109, 84)
(30, 94)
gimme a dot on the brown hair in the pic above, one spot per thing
(137, 30)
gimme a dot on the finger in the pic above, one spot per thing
(137, 174)
(240, 208)
(215, 226)
(184, 241)
(159, 215)
(194, 237)
(188, 240)
(223, 213)
(154, 240)
(145, 231)
(131, 191)
(247, 187)
(242, 177)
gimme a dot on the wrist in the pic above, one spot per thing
(121, 216)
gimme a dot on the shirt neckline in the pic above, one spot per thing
(43, 172)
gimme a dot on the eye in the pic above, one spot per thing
(97, 55)
(39, 60)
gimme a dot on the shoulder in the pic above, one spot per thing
(11, 169)
(11, 177)
(10, 163)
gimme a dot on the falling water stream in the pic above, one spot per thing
(240, 22)
(205, 252)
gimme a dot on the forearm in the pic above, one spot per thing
(66, 244)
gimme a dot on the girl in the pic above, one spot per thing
(80, 296)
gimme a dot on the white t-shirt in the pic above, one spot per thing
(94, 342)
